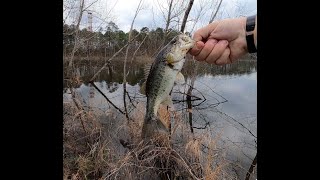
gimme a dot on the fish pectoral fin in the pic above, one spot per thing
(180, 79)
(143, 88)
(167, 101)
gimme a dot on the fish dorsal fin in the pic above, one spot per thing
(146, 70)
(180, 79)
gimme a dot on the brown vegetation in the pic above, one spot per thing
(106, 146)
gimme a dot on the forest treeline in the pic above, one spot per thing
(106, 43)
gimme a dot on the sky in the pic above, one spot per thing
(122, 12)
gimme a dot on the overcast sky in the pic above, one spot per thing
(122, 12)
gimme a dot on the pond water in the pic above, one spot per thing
(224, 98)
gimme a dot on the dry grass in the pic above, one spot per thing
(103, 145)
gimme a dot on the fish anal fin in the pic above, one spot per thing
(180, 80)
(167, 101)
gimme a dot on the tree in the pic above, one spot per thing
(144, 30)
(122, 38)
(112, 26)
(134, 32)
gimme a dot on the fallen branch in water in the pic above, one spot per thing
(130, 99)
(207, 123)
(192, 96)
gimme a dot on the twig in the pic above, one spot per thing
(185, 164)
(215, 14)
(240, 149)
(109, 60)
(130, 100)
(125, 62)
(238, 123)
(79, 108)
(207, 123)
(76, 35)
(225, 100)
(106, 97)
(135, 52)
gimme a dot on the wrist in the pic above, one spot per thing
(251, 34)
(255, 33)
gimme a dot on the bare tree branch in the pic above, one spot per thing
(85, 9)
(110, 59)
(238, 123)
(106, 97)
(79, 107)
(76, 37)
(168, 17)
(69, 11)
(135, 52)
(125, 61)
(205, 126)
(186, 16)
(130, 100)
(203, 6)
(215, 12)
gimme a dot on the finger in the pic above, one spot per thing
(203, 33)
(224, 58)
(217, 51)
(197, 48)
(208, 46)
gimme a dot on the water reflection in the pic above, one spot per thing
(114, 73)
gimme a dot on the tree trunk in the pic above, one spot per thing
(215, 14)
(186, 15)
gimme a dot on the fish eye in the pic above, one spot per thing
(174, 41)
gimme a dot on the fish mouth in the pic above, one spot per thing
(187, 42)
(178, 52)
(189, 45)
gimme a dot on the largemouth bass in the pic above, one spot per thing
(163, 73)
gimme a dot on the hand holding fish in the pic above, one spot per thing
(223, 42)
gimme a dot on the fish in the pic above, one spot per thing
(161, 76)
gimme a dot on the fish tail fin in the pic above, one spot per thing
(153, 127)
